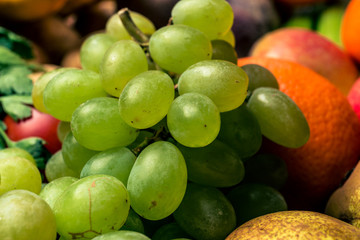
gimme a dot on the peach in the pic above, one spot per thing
(311, 50)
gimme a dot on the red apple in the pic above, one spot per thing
(311, 50)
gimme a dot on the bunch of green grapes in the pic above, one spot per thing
(164, 129)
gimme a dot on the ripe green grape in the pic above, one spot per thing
(213, 17)
(157, 181)
(122, 61)
(176, 47)
(241, 130)
(116, 162)
(279, 117)
(229, 37)
(37, 93)
(253, 200)
(56, 167)
(133, 222)
(16, 152)
(259, 77)
(67, 90)
(25, 215)
(193, 120)
(63, 129)
(54, 189)
(93, 49)
(122, 235)
(116, 29)
(97, 125)
(146, 99)
(19, 173)
(215, 165)
(169, 231)
(223, 82)
(223, 50)
(205, 213)
(91, 206)
(74, 154)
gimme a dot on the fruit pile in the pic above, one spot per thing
(166, 133)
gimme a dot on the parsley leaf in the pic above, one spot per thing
(16, 43)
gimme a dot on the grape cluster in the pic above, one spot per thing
(165, 127)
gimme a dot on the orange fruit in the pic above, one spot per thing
(350, 29)
(317, 168)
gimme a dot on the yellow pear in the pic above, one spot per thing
(295, 225)
(344, 203)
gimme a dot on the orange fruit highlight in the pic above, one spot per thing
(317, 168)
(350, 29)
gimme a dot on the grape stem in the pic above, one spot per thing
(149, 140)
(131, 28)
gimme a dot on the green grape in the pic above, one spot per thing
(169, 231)
(97, 125)
(213, 17)
(223, 50)
(193, 120)
(52, 191)
(93, 49)
(133, 223)
(16, 152)
(122, 61)
(205, 213)
(151, 226)
(37, 93)
(241, 130)
(266, 169)
(259, 77)
(74, 154)
(91, 206)
(279, 117)
(229, 37)
(122, 235)
(25, 215)
(63, 129)
(67, 90)
(157, 181)
(177, 47)
(116, 29)
(215, 165)
(116, 162)
(56, 168)
(146, 99)
(19, 173)
(143, 135)
(253, 200)
(223, 82)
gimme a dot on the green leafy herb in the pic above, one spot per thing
(16, 43)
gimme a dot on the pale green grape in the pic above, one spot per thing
(91, 206)
(259, 77)
(280, 119)
(122, 61)
(133, 222)
(56, 167)
(93, 49)
(19, 173)
(223, 82)
(63, 129)
(213, 17)
(25, 215)
(97, 125)
(215, 165)
(193, 120)
(116, 162)
(146, 99)
(176, 47)
(222, 50)
(122, 235)
(74, 154)
(37, 93)
(229, 37)
(157, 181)
(16, 152)
(116, 29)
(67, 90)
(54, 189)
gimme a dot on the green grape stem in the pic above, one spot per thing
(158, 136)
(131, 28)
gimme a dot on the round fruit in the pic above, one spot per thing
(317, 168)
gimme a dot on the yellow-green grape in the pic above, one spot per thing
(16, 152)
(122, 235)
(97, 125)
(122, 61)
(146, 99)
(133, 223)
(56, 168)
(193, 120)
(91, 206)
(229, 37)
(222, 50)
(63, 129)
(25, 215)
